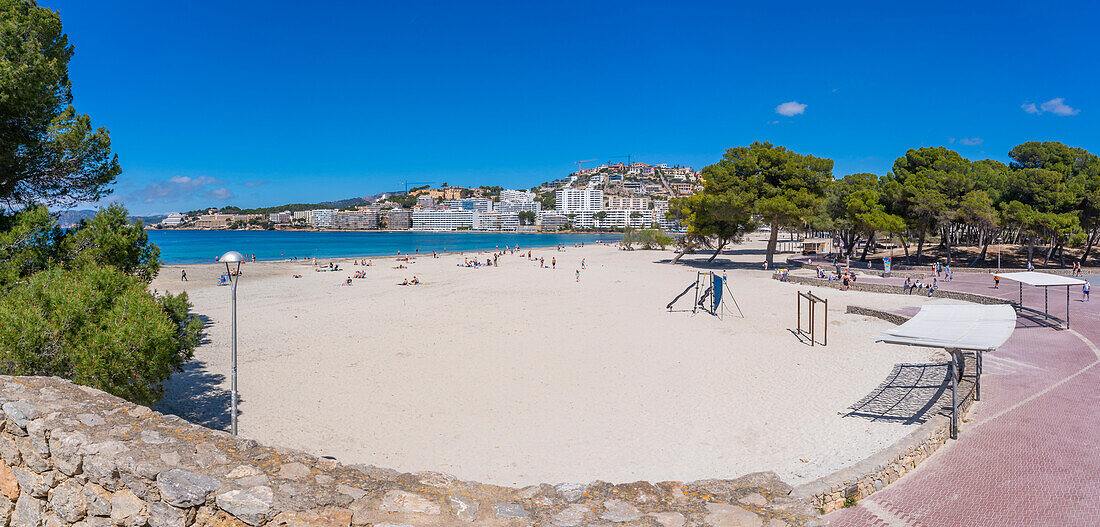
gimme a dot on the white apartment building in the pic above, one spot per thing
(355, 220)
(174, 219)
(623, 203)
(487, 221)
(516, 195)
(442, 219)
(573, 200)
(474, 204)
(304, 215)
(424, 200)
(322, 218)
(280, 217)
(551, 220)
(518, 206)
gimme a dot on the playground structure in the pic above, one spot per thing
(812, 301)
(710, 291)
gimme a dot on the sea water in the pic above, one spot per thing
(200, 246)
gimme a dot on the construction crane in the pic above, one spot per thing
(414, 183)
(579, 163)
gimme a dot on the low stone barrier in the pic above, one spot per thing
(871, 475)
(76, 456)
(875, 287)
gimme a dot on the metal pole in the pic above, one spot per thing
(1067, 307)
(1046, 302)
(233, 386)
(978, 379)
(799, 323)
(1021, 294)
(812, 339)
(954, 397)
(826, 341)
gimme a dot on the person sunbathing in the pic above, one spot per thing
(416, 281)
(405, 282)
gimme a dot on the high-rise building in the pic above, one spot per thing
(574, 200)
(442, 220)
(398, 219)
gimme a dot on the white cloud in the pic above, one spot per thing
(971, 141)
(179, 187)
(1056, 106)
(1059, 107)
(220, 193)
(790, 109)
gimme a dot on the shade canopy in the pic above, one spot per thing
(1040, 279)
(231, 257)
(962, 326)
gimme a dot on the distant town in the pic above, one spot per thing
(607, 197)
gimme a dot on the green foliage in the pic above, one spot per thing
(785, 188)
(713, 220)
(49, 153)
(28, 243)
(527, 217)
(646, 238)
(97, 326)
(111, 239)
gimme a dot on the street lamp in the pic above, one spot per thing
(233, 257)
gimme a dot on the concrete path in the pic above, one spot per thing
(1028, 454)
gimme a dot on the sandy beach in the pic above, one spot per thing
(517, 375)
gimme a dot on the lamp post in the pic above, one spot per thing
(233, 257)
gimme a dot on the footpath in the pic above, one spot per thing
(1028, 454)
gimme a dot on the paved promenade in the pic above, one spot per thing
(1029, 453)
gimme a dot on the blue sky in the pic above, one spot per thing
(255, 103)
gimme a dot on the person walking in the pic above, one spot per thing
(183, 275)
(996, 282)
(1085, 291)
(554, 263)
(578, 275)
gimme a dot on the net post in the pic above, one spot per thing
(825, 342)
(954, 397)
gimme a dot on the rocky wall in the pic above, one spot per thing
(876, 287)
(75, 456)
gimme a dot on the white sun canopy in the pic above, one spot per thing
(963, 326)
(1040, 279)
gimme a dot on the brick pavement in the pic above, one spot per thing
(1029, 453)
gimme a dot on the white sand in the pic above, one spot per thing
(517, 375)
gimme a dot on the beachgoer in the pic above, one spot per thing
(845, 281)
(582, 263)
(996, 282)
(578, 275)
(183, 275)
(1085, 291)
(416, 281)
(1030, 266)
(553, 263)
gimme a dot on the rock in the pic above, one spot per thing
(98, 500)
(251, 505)
(91, 419)
(31, 457)
(619, 511)
(775, 523)
(65, 450)
(510, 510)
(754, 499)
(9, 486)
(185, 489)
(141, 486)
(93, 521)
(9, 451)
(253, 481)
(669, 519)
(208, 455)
(18, 413)
(152, 437)
(127, 509)
(139, 411)
(170, 458)
(52, 520)
(361, 511)
(294, 471)
(465, 508)
(401, 501)
(726, 515)
(6, 508)
(571, 491)
(164, 515)
(101, 462)
(323, 517)
(354, 492)
(29, 512)
(68, 501)
(243, 471)
(37, 485)
(216, 518)
(36, 431)
(570, 516)
(436, 479)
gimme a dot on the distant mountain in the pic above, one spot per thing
(72, 218)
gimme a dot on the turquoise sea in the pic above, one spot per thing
(188, 247)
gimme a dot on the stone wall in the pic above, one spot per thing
(76, 456)
(878, 287)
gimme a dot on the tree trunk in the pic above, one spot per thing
(1088, 246)
(905, 244)
(772, 239)
(920, 247)
(721, 245)
(947, 243)
(867, 246)
(983, 240)
(687, 247)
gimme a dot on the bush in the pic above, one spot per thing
(99, 327)
(647, 238)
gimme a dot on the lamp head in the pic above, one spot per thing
(232, 257)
